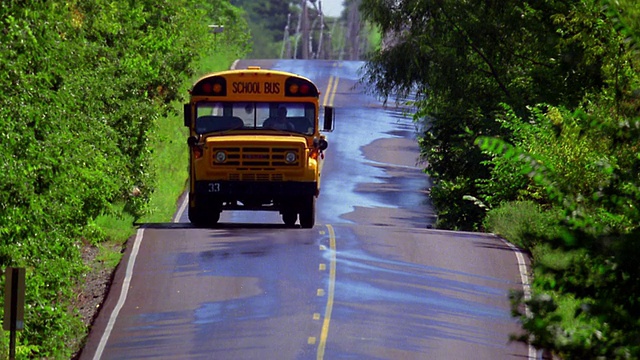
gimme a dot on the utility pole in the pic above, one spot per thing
(311, 25)
(329, 53)
(353, 30)
(297, 36)
(319, 54)
(286, 42)
(305, 30)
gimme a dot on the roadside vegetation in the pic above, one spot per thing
(91, 140)
(532, 118)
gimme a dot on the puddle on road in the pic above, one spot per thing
(378, 172)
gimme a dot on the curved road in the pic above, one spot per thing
(370, 281)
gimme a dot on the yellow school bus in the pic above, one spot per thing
(255, 144)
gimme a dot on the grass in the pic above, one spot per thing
(117, 225)
(170, 160)
(521, 222)
(108, 257)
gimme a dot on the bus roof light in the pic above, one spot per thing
(211, 86)
(300, 87)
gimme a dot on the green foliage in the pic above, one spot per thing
(586, 163)
(524, 223)
(591, 300)
(626, 18)
(460, 209)
(85, 85)
(570, 160)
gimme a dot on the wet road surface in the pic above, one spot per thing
(369, 281)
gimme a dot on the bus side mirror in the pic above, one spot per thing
(321, 143)
(187, 115)
(328, 118)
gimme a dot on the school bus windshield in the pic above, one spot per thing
(297, 117)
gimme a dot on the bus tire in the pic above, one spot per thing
(196, 218)
(214, 217)
(289, 217)
(200, 218)
(308, 213)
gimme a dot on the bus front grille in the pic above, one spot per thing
(255, 177)
(257, 157)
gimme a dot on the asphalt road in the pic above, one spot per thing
(371, 280)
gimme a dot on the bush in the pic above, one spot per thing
(523, 223)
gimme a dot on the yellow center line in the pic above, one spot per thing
(326, 94)
(335, 90)
(332, 288)
(330, 95)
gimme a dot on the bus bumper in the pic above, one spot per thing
(258, 189)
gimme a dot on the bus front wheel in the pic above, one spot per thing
(203, 218)
(289, 217)
(308, 213)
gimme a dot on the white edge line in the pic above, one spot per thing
(123, 295)
(183, 206)
(127, 282)
(526, 285)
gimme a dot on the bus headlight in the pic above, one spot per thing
(290, 157)
(221, 157)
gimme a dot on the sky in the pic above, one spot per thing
(332, 7)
